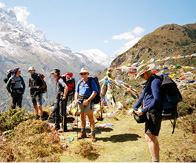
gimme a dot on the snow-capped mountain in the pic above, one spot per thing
(25, 45)
(97, 56)
(126, 47)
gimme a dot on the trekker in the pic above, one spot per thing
(16, 87)
(35, 85)
(83, 99)
(150, 101)
(61, 101)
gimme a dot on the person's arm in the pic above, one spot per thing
(93, 94)
(64, 85)
(139, 101)
(76, 94)
(23, 85)
(156, 90)
(9, 85)
(137, 104)
(65, 92)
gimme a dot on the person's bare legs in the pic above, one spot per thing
(40, 110)
(153, 146)
(92, 125)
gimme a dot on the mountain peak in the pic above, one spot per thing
(168, 40)
(97, 56)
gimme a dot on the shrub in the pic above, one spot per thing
(184, 109)
(33, 141)
(85, 149)
(11, 118)
(188, 123)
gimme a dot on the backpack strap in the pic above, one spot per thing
(90, 86)
(174, 124)
(80, 81)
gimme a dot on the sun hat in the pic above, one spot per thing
(56, 71)
(144, 68)
(83, 70)
(31, 68)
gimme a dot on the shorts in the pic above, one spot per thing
(87, 108)
(37, 99)
(153, 123)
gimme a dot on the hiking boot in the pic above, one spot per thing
(57, 127)
(82, 135)
(93, 137)
(36, 117)
(42, 118)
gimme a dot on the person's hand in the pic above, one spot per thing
(85, 102)
(76, 102)
(37, 87)
(139, 112)
(64, 97)
(131, 111)
(129, 89)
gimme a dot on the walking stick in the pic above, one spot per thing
(101, 106)
(77, 121)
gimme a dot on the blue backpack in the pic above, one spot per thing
(97, 98)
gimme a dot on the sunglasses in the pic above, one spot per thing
(142, 75)
(83, 73)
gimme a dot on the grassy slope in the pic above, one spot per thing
(125, 142)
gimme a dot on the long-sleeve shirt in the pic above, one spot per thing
(151, 95)
(34, 82)
(15, 85)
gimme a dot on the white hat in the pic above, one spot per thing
(144, 68)
(83, 70)
(31, 68)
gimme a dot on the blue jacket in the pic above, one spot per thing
(151, 95)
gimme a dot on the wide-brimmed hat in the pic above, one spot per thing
(144, 68)
(31, 68)
(83, 70)
(56, 71)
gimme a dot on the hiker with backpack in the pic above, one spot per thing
(16, 87)
(86, 90)
(151, 108)
(37, 87)
(59, 110)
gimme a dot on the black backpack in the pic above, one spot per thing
(171, 96)
(9, 74)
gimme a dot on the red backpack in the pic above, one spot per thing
(70, 81)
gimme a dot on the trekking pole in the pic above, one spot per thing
(77, 120)
(101, 106)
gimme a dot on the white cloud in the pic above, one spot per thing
(21, 14)
(126, 36)
(105, 41)
(138, 31)
(2, 5)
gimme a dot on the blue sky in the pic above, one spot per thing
(102, 24)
